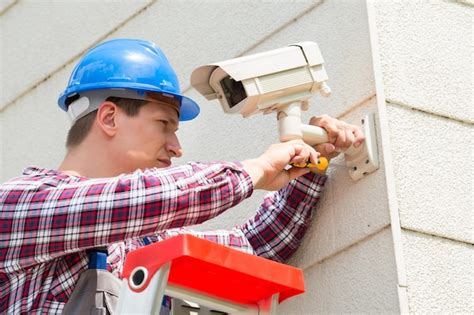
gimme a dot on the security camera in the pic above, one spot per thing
(282, 81)
(263, 82)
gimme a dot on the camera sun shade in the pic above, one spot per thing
(262, 82)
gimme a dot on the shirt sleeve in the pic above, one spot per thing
(41, 219)
(276, 231)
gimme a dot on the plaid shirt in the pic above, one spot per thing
(49, 219)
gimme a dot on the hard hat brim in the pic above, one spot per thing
(189, 109)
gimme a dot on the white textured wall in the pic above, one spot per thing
(42, 36)
(348, 254)
(439, 272)
(426, 49)
(358, 279)
(427, 68)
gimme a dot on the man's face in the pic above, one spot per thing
(148, 139)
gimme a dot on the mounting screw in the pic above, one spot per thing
(355, 168)
(367, 161)
(362, 121)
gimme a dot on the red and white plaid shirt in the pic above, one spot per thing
(49, 219)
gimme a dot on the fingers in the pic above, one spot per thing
(303, 152)
(327, 150)
(359, 136)
(270, 170)
(349, 138)
(341, 134)
(327, 123)
(341, 138)
(296, 172)
(314, 155)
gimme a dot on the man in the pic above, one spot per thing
(115, 187)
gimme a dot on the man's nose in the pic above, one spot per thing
(174, 147)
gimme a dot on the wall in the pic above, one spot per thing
(427, 72)
(349, 254)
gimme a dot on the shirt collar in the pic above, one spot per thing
(40, 171)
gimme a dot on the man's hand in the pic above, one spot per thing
(269, 171)
(341, 135)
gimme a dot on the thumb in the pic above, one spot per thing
(327, 150)
(295, 172)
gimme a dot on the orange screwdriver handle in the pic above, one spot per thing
(322, 165)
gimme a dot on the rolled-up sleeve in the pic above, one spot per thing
(45, 215)
(276, 230)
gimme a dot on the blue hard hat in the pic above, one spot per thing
(130, 64)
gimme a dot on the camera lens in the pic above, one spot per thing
(233, 90)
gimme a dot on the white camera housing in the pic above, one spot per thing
(263, 82)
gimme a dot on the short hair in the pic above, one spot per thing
(81, 128)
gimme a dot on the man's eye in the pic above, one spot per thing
(164, 122)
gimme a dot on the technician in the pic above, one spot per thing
(116, 187)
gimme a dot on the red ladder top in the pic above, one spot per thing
(217, 270)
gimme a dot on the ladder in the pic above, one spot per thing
(222, 279)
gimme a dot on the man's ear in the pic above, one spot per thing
(107, 118)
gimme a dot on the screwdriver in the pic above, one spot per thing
(321, 166)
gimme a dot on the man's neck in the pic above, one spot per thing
(86, 162)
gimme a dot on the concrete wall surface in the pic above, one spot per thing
(55, 33)
(426, 54)
(439, 273)
(427, 72)
(341, 283)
